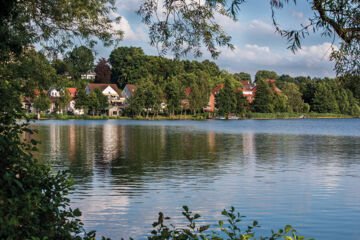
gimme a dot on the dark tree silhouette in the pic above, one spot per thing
(103, 72)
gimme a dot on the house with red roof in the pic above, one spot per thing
(128, 91)
(116, 100)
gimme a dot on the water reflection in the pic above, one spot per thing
(129, 171)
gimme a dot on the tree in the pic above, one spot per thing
(264, 98)
(103, 71)
(324, 100)
(42, 102)
(97, 101)
(174, 94)
(33, 198)
(33, 71)
(242, 76)
(182, 27)
(128, 64)
(226, 99)
(281, 103)
(80, 60)
(200, 92)
(56, 23)
(63, 101)
(294, 97)
(60, 66)
(242, 103)
(264, 74)
(81, 99)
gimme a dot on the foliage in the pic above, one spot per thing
(294, 97)
(264, 74)
(96, 101)
(242, 76)
(127, 65)
(242, 103)
(80, 61)
(264, 98)
(174, 94)
(281, 103)
(56, 23)
(60, 66)
(63, 101)
(324, 100)
(81, 101)
(226, 99)
(183, 26)
(33, 71)
(200, 92)
(103, 71)
(228, 229)
(42, 102)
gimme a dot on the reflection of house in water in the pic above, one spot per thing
(211, 141)
(249, 144)
(110, 142)
(72, 142)
(54, 139)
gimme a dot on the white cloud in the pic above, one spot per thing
(128, 5)
(130, 34)
(298, 15)
(310, 60)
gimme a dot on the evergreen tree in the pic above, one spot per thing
(324, 100)
(242, 103)
(103, 71)
(226, 99)
(264, 98)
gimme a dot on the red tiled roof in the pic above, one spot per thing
(37, 92)
(72, 92)
(217, 89)
(188, 91)
(131, 87)
(103, 86)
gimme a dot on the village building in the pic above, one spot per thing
(71, 107)
(129, 91)
(89, 75)
(112, 92)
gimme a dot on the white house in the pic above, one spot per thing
(89, 75)
(128, 91)
(115, 98)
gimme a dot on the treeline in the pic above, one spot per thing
(160, 79)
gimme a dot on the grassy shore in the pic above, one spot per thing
(199, 117)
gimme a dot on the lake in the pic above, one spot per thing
(303, 172)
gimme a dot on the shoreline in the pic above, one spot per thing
(253, 116)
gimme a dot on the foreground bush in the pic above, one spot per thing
(33, 202)
(229, 229)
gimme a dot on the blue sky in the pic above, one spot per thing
(257, 46)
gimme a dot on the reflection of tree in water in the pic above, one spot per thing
(157, 152)
(319, 150)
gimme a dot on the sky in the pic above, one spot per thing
(257, 45)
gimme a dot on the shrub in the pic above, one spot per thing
(229, 229)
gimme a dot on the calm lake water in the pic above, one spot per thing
(302, 172)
